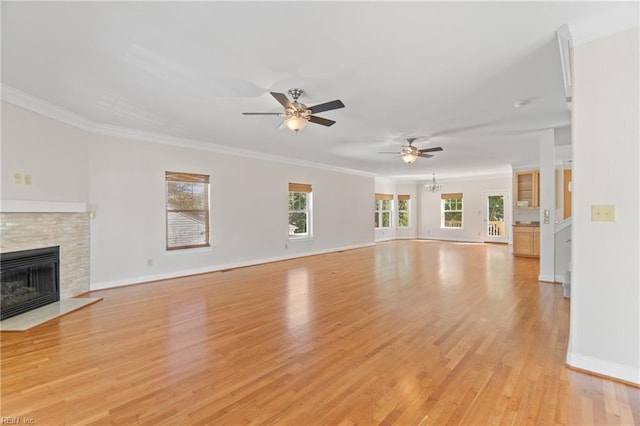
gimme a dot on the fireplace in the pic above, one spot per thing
(28, 279)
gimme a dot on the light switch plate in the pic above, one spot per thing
(603, 213)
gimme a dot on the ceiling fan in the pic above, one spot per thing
(298, 114)
(410, 153)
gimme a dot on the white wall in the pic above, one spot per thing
(473, 207)
(605, 291)
(398, 188)
(249, 213)
(123, 182)
(53, 153)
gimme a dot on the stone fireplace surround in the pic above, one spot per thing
(28, 225)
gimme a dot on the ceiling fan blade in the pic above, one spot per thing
(425, 155)
(437, 148)
(327, 106)
(261, 113)
(320, 120)
(282, 98)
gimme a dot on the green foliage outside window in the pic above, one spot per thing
(298, 213)
(452, 213)
(403, 213)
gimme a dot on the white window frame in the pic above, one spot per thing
(380, 212)
(443, 211)
(308, 211)
(188, 179)
(407, 211)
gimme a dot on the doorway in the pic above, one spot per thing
(495, 217)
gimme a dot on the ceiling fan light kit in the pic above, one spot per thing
(295, 123)
(410, 153)
(297, 114)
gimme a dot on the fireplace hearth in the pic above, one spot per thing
(29, 279)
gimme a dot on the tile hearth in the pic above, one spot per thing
(43, 314)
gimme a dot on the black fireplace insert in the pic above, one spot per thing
(28, 279)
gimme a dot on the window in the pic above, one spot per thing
(403, 211)
(451, 210)
(382, 218)
(299, 210)
(187, 209)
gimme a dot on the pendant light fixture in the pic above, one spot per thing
(433, 186)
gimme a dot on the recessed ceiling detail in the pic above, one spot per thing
(134, 66)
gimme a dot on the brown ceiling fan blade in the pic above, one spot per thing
(261, 113)
(327, 106)
(425, 155)
(282, 98)
(320, 120)
(437, 148)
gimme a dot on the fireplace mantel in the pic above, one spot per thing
(27, 206)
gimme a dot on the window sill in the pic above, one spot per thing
(188, 251)
(300, 238)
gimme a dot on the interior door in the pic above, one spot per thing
(496, 222)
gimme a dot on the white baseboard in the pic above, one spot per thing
(379, 240)
(548, 278)
(213, 268)
(455, 240)
(606, 368)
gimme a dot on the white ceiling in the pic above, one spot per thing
(451, 71)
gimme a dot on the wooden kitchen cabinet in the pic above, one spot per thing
(527, 190)
(526, 240)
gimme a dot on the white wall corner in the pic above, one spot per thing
(611, 369)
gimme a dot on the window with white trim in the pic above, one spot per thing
(383, 208)
(404, 202)
(187, 210)
(451, 210)
(300, 207)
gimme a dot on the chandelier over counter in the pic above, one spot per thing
(433, 186)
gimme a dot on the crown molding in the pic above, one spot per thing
(24, 100)
(29, 102)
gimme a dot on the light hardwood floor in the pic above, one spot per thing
(406, 332)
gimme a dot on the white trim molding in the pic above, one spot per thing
(606, 368)
(214, 268)
(29, 102)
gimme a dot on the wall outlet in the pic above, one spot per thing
(286, 246)
(27, 179)
(603, 213)
(18, 178)
(149, 262)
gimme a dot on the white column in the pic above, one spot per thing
(547, 205)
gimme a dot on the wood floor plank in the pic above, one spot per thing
(406, 333)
